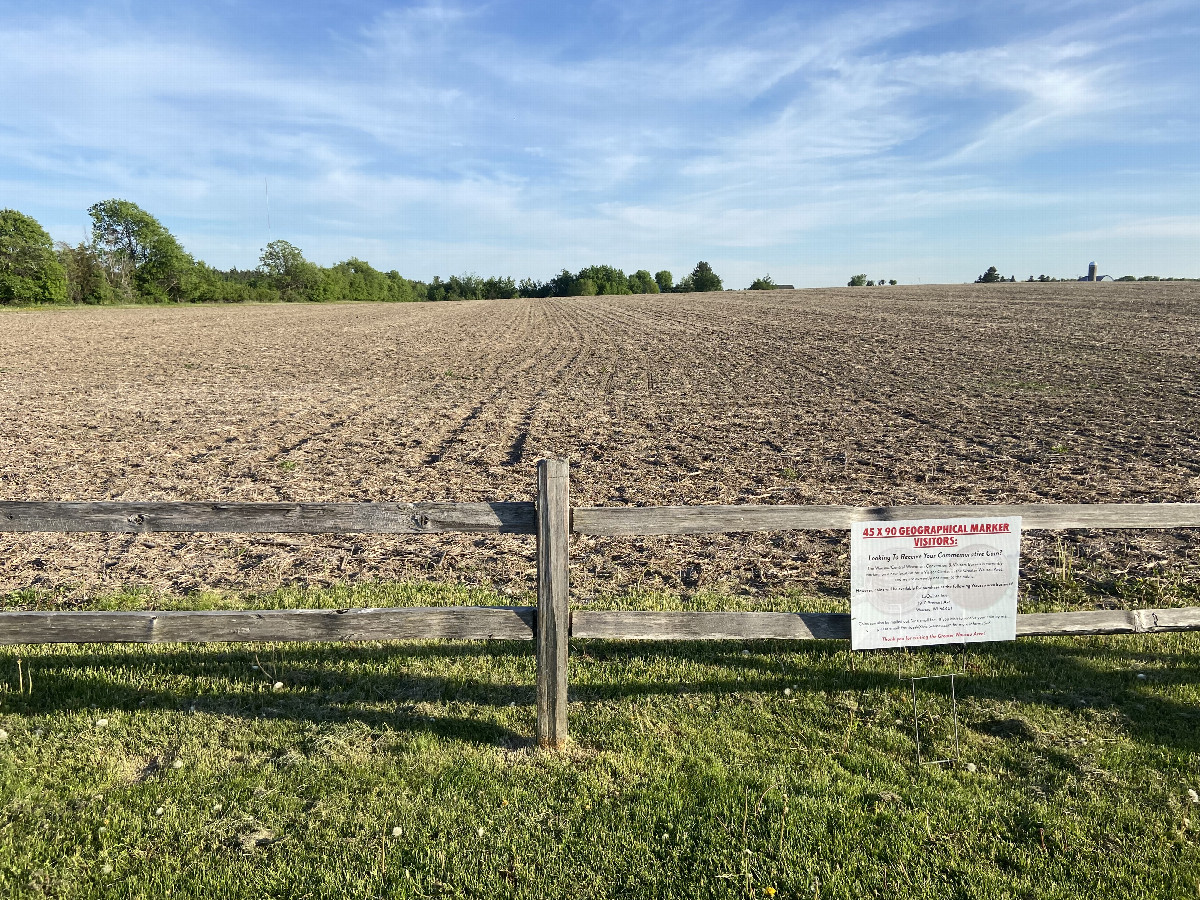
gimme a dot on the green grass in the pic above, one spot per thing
(696, 770)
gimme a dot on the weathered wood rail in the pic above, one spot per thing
(646, 520)
(550, 624)
(272, 518)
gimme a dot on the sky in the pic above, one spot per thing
(809, 141)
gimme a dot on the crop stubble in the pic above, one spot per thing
(966, 394)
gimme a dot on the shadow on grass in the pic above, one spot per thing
(319, 688)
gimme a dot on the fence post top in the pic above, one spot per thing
(554, 466)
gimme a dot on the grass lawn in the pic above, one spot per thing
(696, 770)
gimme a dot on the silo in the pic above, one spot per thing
(1091, 271)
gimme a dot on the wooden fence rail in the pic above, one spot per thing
(551, 623)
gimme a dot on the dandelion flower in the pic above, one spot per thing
(1193, 796)
(787, 692)
(105, 869)
(217, 807)
(769, 891)
(479, 831)
(277, 686)
(3, 735)
(177, 764)
(397, 831)
(159, 811)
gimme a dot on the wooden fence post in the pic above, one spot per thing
(553, 611)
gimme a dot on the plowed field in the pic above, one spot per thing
(982, 394)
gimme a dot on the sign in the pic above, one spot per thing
(934, 581)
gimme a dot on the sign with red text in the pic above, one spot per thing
(934, 581)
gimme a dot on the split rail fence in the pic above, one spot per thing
(552, 622)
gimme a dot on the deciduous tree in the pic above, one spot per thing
(29, 270)
(137, 243)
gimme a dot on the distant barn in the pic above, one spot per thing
(1092, 276)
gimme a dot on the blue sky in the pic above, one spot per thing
(916, 141)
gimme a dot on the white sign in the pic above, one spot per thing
(934, 581)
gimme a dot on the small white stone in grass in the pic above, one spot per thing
(787, 692)
(102, 829)
(217, 807)
(178, 764)
(1142, 676)
(255, 668)
(105, 869)
(745, 653)
(100, 723)
(159, 811)
(479, 831)
(397, 831)
(1193, 796)
(970, 767)
(277, 686)
(3, 735)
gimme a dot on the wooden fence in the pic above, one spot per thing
(551, 623)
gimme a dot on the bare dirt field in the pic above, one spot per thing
(867, 396)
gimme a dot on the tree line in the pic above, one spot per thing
(132, 258)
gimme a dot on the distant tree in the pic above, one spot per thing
(137, 245)
(892, 281)
(29, 270)
(355, 279)
(642, 282)
(665, 281)
(1126, 278)
(765, 283)
(606, 279)
(871, 282)
(857, 281)
(289, 272)
(530, 287)
(87, 276)
(703, 278)
(564, 284)
(504, 288)
(990, 276)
